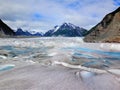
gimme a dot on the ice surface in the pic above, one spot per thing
(6, 67)
(86, 74)
(70, 50)
(3, 57)
(58, 63)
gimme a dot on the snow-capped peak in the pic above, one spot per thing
(66, 29)
(69, 25)
(65, 24)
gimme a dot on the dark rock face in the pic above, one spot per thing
(49, 33)
(20, 32)
(66, 30)
(5, 30)
(108, 30)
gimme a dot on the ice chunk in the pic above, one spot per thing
(52, 54)
(115, 71)
(86, 74)
(3, 57)
(6, 67)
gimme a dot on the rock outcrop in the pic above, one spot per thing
(108, 30)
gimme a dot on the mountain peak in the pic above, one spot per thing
(69, 25)
(19, 29)
(66, 30)
(64, 24)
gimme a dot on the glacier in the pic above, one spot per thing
(50, 59)
(97, 55)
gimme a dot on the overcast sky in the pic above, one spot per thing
(43, 15)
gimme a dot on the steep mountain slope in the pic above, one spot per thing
(5, 30)
(66, 30)
(108, 30)
(49, 33)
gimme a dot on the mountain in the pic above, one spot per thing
(37, 34)
(5, 30)
(20, 32)
(66, 30)
(108, 30)
(50, 32)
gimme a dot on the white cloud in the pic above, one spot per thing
(85, 13)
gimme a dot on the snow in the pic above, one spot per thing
(86, 74)
(49, 61)
(73, 26)
(115, 71)
(111, 46)
(59, 49)
(65, 24)
(3, 57)
(52, 54)
(56, 28)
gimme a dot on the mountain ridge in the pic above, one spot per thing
(66, 30)
(20, 32)
(5, 30)
(107, 30)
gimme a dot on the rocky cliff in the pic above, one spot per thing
(108, 30)
(5, 30)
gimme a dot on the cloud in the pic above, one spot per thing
(42, 15)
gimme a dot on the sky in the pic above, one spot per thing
(43, 15)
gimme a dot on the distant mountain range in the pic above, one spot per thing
(66, 30)
(5, 30)
(108, 30)
(20, 32)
